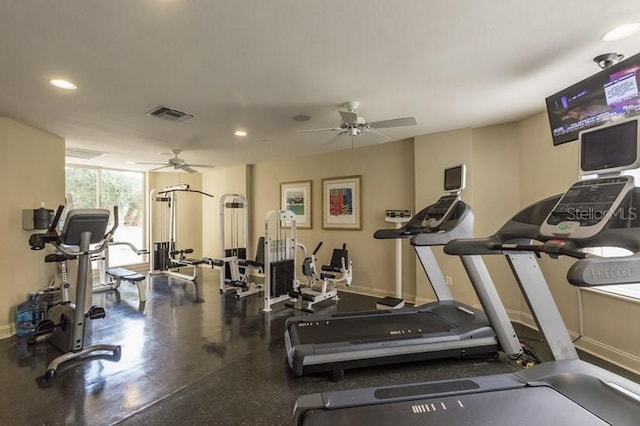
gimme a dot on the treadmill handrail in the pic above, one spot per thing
(457, 214)
(602, 271)
(553, 248)
(485, 246)
(520, 229)
(412, 227)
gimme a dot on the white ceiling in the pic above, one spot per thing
(255, 64)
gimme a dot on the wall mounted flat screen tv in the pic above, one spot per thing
(455, 178)
(611, 93)
(613, 147)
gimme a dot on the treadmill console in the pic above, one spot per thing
(586, 208)
(440, 211)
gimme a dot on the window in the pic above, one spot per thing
(104, 188)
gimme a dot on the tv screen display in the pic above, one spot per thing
(611, 93)
(454, 178)
(611, 148)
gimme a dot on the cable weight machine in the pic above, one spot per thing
(234, 266)
(166, 259)
(280, 241)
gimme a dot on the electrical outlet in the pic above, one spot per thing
(449, 280)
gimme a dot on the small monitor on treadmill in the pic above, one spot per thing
(587, 207)
(611, 148)
(454, 178)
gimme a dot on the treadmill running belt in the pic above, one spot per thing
(524, 406)
(356, 330)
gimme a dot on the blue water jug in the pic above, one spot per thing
(28, 315)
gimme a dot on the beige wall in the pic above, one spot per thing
(496, 197)
(232, 180)
(509, 167)
(387, 183)
(32, 171)
(492, 191)
(7, 315)
(189, 211)
(546, 170)
(432, 154)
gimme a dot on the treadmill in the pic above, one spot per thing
(566, 391)
(442, 329)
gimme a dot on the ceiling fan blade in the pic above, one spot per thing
(349, 117)
(334, 129)
(206, 166)
(396, 122)
(188, 169)
(333, 140)
(387, 138)
(159, 168)
(152, 164)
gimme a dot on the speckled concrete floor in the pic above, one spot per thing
(218, 362)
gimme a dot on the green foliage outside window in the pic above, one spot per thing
(120, 188)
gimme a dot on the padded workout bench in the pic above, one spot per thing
(119, 274)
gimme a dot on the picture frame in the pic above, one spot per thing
(342, 203)
(296, 197)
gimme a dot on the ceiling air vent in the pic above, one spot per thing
(170, 114)
(85, 154)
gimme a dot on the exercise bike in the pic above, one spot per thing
(65, 324)
(320, 286)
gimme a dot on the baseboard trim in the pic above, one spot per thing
(364, 291)
(372, 292)
(622, 359)
(423, 300)
(7, 331)
(608, 353)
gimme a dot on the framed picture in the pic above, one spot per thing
(341, 203)
(296, 197)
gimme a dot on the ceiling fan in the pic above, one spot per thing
(178, 163)
(355, 125)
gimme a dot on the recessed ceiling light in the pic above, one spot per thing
(622, 31)
(240, 133)
(62, 84)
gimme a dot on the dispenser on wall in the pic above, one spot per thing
(37, 218)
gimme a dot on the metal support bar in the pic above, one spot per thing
(541, 304)
(434, 273)
(491, 304)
